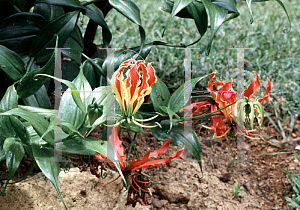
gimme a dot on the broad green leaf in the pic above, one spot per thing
(230, 5)
(18, 30)
(39, 124)
(74, 43)
(20, 130)
(62, 27)
(95, 14)
(8, 102)
(160, 94)
(38, 99)
(217, 16)
(179, 136)
(30, 83)
(50, 12)
(10, 99)
(2, 152)
(194, 10)
(45, 113)
(46, 160)
(178, 6)
(73, 89)
(132, 12)
(70, 112)
(67, 3)
(11, 63)
(14, 153)
(90, 73)
(180, 97)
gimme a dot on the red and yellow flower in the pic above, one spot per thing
(131, 87)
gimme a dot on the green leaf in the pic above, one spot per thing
(8, 102)
(50, 12)
(62, 27)
(45, 113)
(30, 83)
(44, 156)
(70, 111)
(39, 124)
(230, 5)
(179, 136)
(178, 6)
(67, 3)
(20, 130)
(96, 15)
(160, 94)
(2, 152)
(38, 99)
(90, 73)
(11, 63)
(14, 153)
(217, 16)
(194, 10)
(73, 89)
(132, 12)
(74, 43)
(18, 30)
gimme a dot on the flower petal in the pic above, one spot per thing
(253, 87)
(266, 95)
(136, 164)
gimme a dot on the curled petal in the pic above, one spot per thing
(253, 87)
(136, 164)
(266, 95)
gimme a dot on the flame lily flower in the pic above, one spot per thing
(254, 87)
(252, 107)
(224, 96)
(136, 164)
(130, 91)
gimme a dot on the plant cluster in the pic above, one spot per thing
(30, 30)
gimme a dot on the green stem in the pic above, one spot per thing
(129, 151)
(29, 64)
(207, 115)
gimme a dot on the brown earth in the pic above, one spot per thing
(179, 184)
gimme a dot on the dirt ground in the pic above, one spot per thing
(179, 184)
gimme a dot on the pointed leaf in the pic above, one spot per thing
(39, 99)
(8, 102)
(73, 90)
(217, 16)
(14, 153)
(132, 12)
(67, 3)
(70, 112)
(11, 63)
(30, 83)
(178, 6)
(95, 14)
(44, 156)
(160, 94)
(39, 124)
(62, 27)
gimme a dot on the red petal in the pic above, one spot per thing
(253, 87)
(118, 147)
(133, 78)
(136, 164)
(266, 95)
